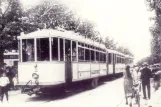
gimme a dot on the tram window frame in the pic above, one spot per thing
(46, 50)
(61, 45)
(54, 49)
(118, 59)
(67, 49)
(74, 51)
(113, 58)
(109, 58)
(97, 56)
(92, 56)
(87, 55)
(81, 54)
(105, 58)
(25, 57)
(100, 53)
(19, 49)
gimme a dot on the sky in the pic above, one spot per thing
(126, 21)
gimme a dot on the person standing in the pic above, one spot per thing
(128, 84)
(4, 81)
(10, 75)
(157, 77)
(145, 78)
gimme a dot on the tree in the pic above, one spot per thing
(54, 14)
(155, 5)
(149, 60)
(110, 44)
(10, 12)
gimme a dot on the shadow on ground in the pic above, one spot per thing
(75, 90)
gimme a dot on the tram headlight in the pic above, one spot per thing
(35, 76)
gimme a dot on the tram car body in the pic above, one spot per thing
(53, 58)
(116, 62)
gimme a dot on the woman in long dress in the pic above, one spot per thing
(128, 84)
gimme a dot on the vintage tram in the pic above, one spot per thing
(53, 58)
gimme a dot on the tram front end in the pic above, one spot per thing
(37, 67)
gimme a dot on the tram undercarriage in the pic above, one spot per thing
(58, 89)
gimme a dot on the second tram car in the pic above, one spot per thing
(54, 58)
(11, 58)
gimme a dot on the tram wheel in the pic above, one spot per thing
(94, 83)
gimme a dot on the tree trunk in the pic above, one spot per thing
(1, 56)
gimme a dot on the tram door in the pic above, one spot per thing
(68, 63)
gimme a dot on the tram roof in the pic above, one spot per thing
(63, 34)
(128, 56)
(115, 52)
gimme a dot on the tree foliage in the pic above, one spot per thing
(124, 50)
(54, 14)
(47, 14)
(111, 44)
(149, 60)
(155, 5)
(10, 12)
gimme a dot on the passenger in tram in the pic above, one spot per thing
(29, 51)
(24, 55)
(74, 54)
(128, 84)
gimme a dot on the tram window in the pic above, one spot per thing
(101, 57)
(68, 48)
(87, 55)
(114, 58)
(27, 50)
(80, 54)
(61, 50)
(123, 60)
(19, 50)
(43, 49)
(92, 55)
(117, 59)
(97, 56)
(104, 58)
(54, 45)
(74, 51)
(109, 58)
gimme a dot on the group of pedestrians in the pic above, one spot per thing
(6, 81)
(132, 76)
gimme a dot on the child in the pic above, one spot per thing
(4, 81)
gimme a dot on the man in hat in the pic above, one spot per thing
(145, 77)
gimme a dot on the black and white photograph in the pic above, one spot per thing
(80, 53)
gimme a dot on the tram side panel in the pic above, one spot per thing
(88, 70)
(103, 69)
(119, 68)
(95, 70)
(110, 66)
(82, 71)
